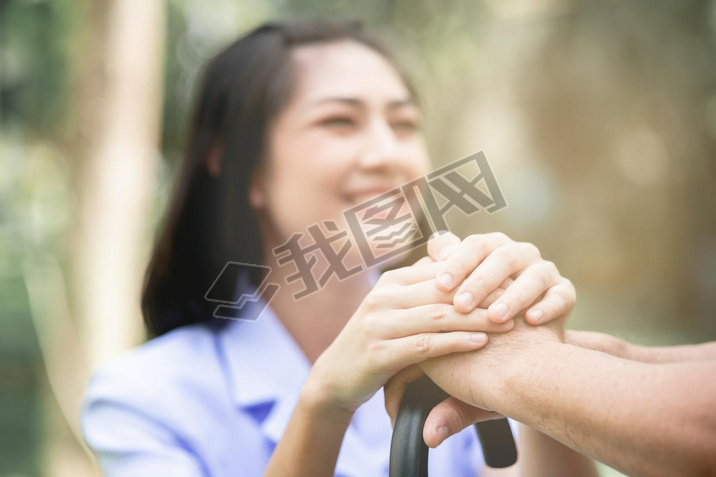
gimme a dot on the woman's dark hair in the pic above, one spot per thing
(209, 221)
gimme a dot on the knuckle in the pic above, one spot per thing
(562, 295)
(570, 286)
(550, 267)
(478, 244)
(433, 244)
(570, 293)
(507, 256)
(531, 249)
(376, 350)
(437, 311)
(457, 264)
(375, 299)
(393, 276)
(500, 237)
(473, 239)
(372, 324)
(384, 278)
(421, 344)
(542, 275)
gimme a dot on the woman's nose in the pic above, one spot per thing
(380, 149)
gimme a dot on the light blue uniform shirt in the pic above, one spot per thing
(200, 401)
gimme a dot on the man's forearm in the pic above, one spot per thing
(673, 354)
(646, 354)
(644, 419)
(541, 455)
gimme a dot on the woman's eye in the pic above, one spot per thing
(406, 126)
(338, 122)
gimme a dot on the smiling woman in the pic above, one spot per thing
(294, 122)
(348, 135)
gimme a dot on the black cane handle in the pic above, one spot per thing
(408, 451)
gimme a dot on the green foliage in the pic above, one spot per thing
(599, 118)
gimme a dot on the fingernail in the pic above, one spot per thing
(442, 434)
(465, 298)
(537, 316)
(445, 252)
(478, 338)
(500, 309)
(446, 280)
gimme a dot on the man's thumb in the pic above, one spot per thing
(450, 417)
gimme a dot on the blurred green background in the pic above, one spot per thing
(598, 118)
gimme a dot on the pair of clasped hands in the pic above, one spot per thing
(435, 317)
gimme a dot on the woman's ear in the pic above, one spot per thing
(257, 199)
(213, 160)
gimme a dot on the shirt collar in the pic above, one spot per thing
(266, 365)
(263, 358)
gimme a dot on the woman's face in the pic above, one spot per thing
(349, 132)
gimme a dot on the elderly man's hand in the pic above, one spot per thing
(476, 379)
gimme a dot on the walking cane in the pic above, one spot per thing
(408, 451)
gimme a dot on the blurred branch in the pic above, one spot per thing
(118, 176)
(65, 364)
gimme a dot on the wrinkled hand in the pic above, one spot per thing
(473, 379)
(445, 419)
(402, 321)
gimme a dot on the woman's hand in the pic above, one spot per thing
(404, 320)
(481, 268)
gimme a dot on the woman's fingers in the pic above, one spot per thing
(419, 272)
(479, 268)
(558, 301)
(435, 318)
(394, 389)
(419, 347)
(492, 297)
(499, 265)
(450, 417)
(416, 288)
(407, 296)
(466, 257)
(527, 287)
(423, 261)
